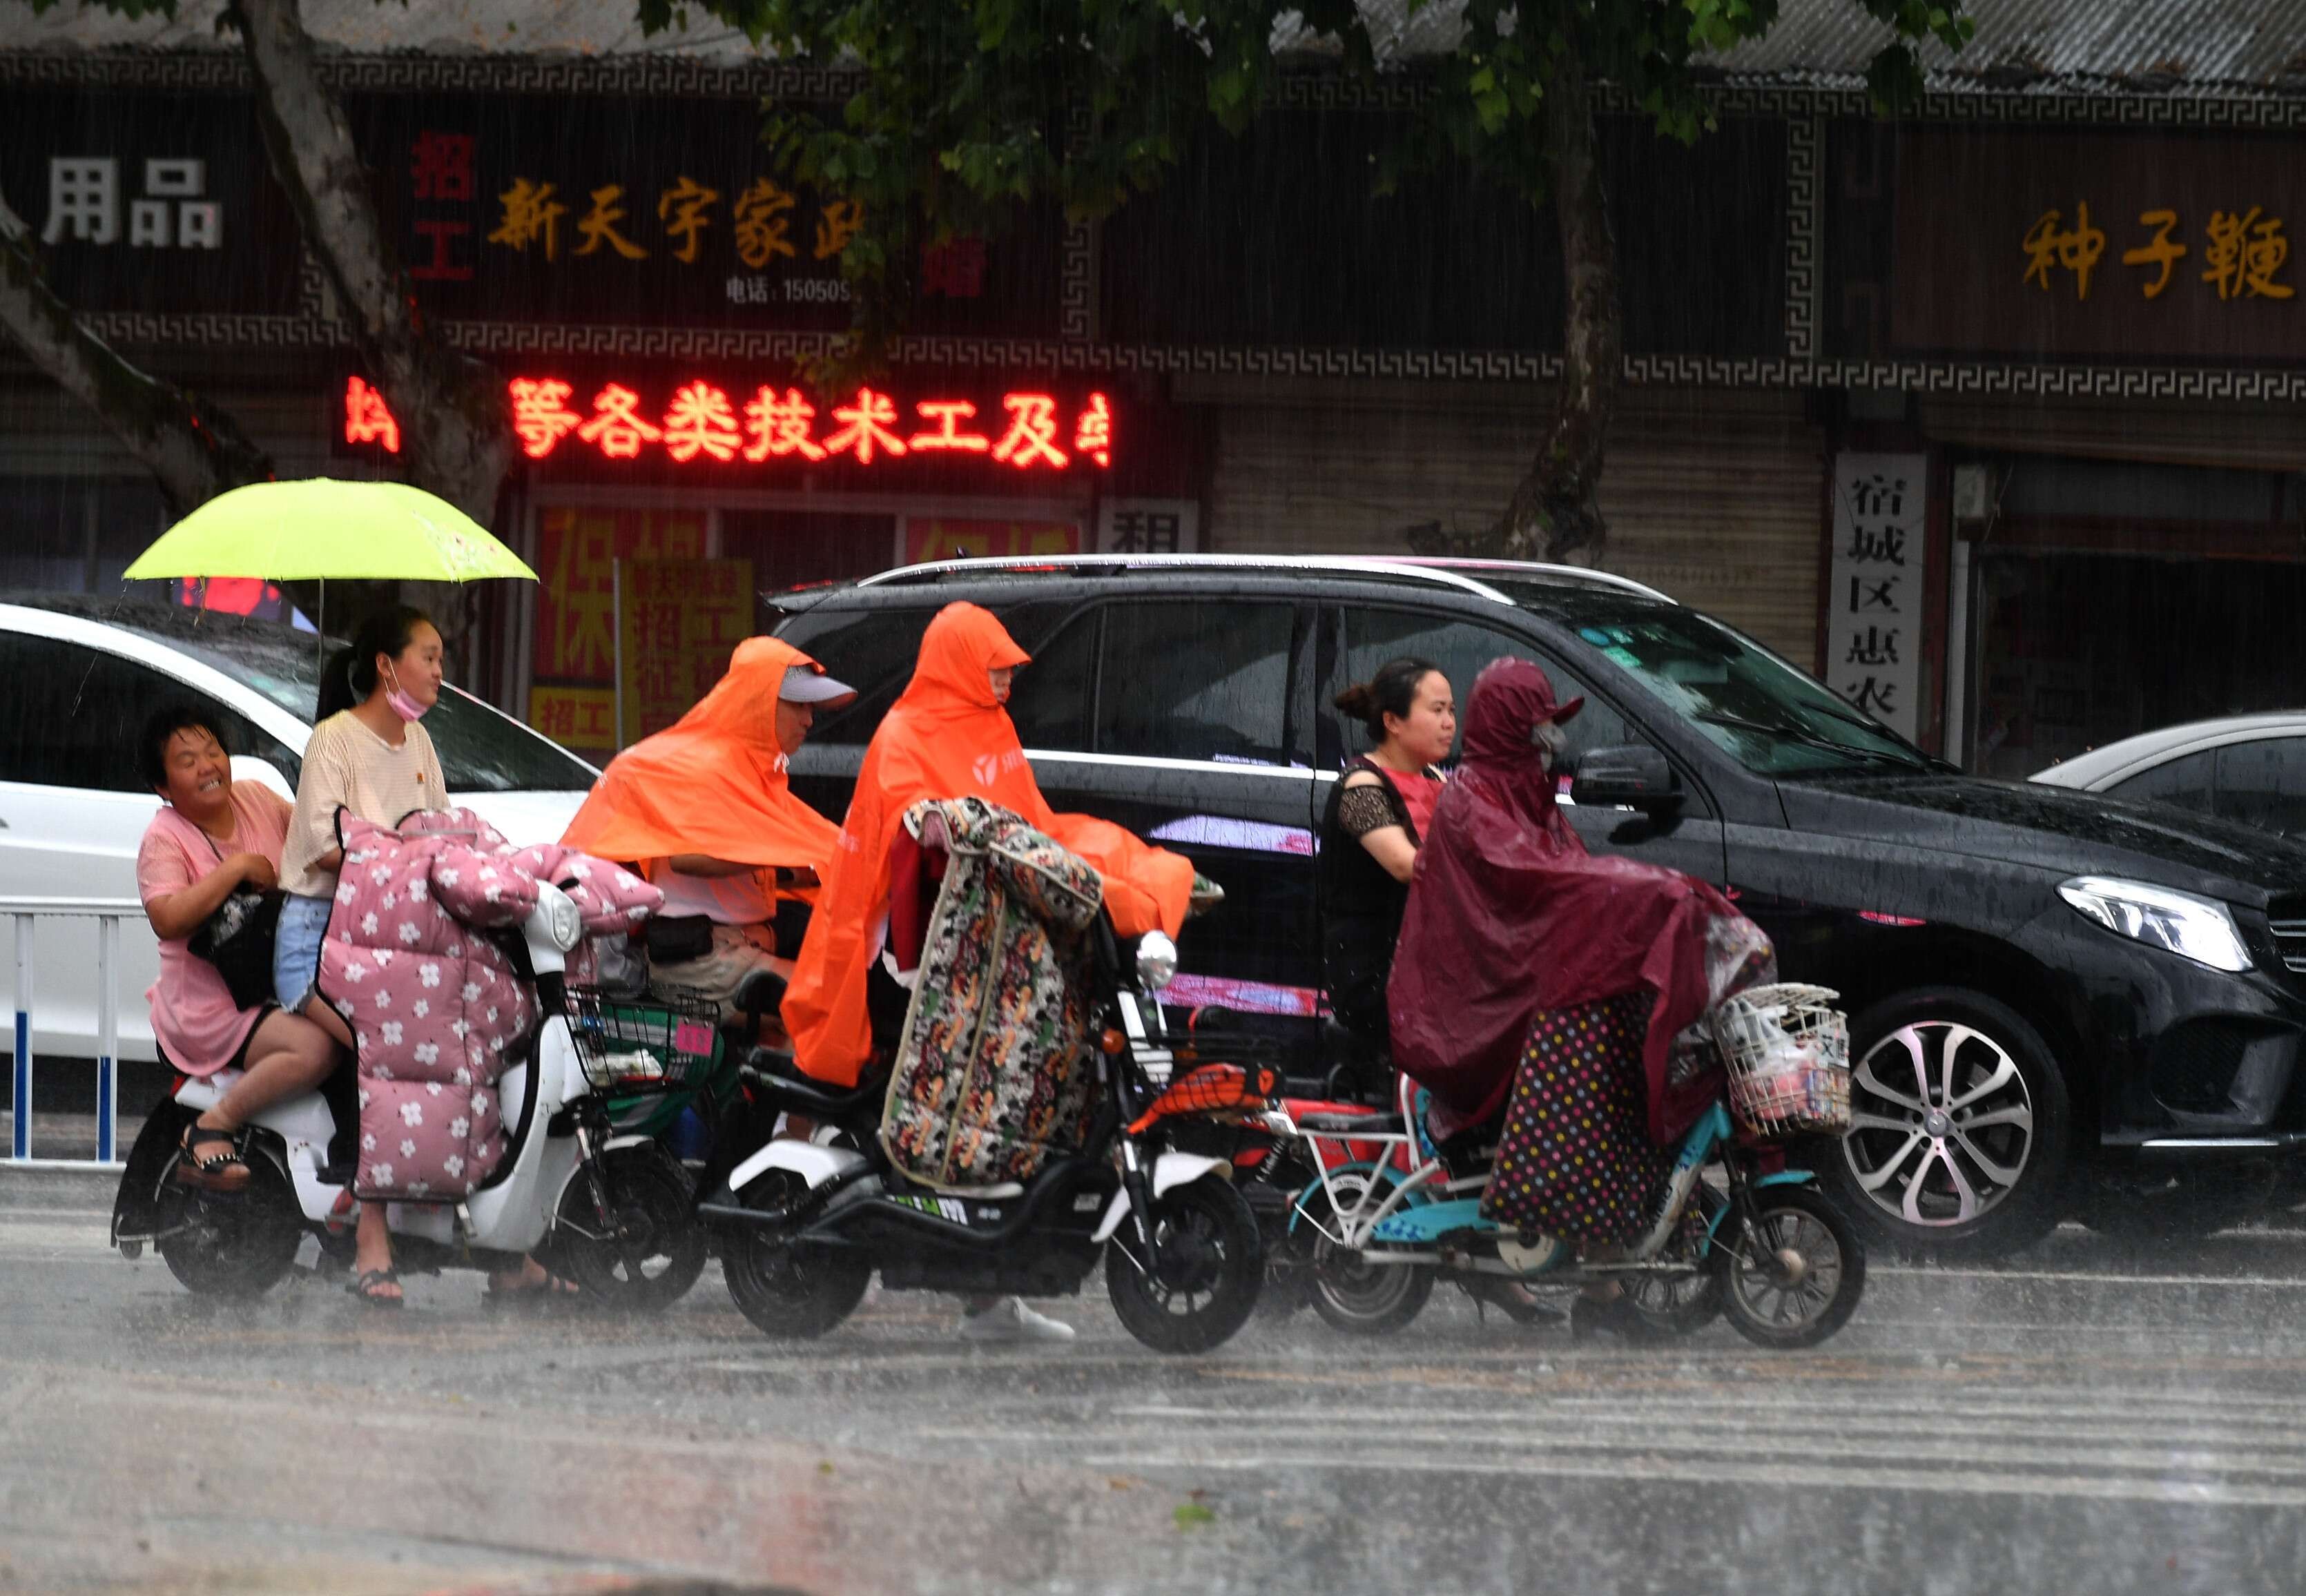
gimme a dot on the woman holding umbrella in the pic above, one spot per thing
(368, 755)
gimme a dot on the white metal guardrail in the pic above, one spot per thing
(108, 913)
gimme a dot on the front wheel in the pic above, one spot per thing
(1796, 1278)
(789, 1293)
(233, 1244)
(1208, 1268)
(651, 1251)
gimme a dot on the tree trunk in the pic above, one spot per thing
(1555, 514)
(194, 449)
(457, 437)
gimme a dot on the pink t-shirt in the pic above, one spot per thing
(193, 1015)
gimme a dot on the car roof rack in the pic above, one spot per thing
(1568, 576)
(1433, 573)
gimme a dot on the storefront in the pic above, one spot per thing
(1990, 417)
(2096, 329)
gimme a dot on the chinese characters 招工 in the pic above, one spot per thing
(2245, 252)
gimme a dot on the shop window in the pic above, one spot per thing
(1460, 648)
(73, 717)
(1204, 681)
(1049, 699)
(2264, 784)
(2184, 782)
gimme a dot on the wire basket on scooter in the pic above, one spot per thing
(668, 1042)
(1787, 1050)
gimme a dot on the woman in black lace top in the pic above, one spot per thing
(1377, 815)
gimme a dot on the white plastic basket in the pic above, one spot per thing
(1787, 1050)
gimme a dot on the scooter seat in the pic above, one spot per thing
(776, 1073)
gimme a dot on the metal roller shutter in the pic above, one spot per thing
(1713, 497)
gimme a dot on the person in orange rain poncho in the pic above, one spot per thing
(703, 808)
(947, 737)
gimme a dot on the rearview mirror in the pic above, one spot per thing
(1634, 776)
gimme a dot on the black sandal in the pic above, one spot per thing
(226, 1171)
(368, 1287)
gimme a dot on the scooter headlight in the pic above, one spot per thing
(1156, 960)
(2200, 928)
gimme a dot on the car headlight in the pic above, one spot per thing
(1156, 960)
(2200, 928)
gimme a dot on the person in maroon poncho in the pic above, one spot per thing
(1523, 959)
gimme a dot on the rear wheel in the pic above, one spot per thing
(1958, 1136)
(1208, 1268)
(652, 1252)
(791, 1292)
(1350, 1292)
(1796, 1278)
(234, 1245)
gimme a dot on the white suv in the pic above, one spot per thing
(80, 676)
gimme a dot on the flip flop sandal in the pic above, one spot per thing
(224, 1171)
(368, 1287)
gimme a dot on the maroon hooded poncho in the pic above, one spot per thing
(1509, 916)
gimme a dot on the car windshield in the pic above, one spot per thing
(482, 750)
(1770, 717)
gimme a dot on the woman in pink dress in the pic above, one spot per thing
(212, 837)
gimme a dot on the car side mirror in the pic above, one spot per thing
(1633, 776)
(247, 767)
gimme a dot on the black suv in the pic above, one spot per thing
(2041, 981)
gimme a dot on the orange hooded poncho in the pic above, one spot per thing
(712, 782)
(947, 737)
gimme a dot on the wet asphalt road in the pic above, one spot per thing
(2086, 1419)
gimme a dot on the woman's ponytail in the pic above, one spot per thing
(337, 694)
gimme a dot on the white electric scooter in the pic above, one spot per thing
(550, 1192)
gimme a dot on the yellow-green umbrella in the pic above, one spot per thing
(320, 528)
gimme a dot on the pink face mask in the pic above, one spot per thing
(401, 703)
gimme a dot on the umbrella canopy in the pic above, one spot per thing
(322, 529)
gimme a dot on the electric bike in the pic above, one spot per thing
(804, 1224)
(1731, 1234)
(560, 1190)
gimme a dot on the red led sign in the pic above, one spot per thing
(1026, 431)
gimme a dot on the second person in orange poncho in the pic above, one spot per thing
(947, 737)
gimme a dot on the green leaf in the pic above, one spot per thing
(1192, 1515)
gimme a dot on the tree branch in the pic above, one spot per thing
(456, 437)
(194, 450)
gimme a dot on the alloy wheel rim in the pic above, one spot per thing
(1941, 1124)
